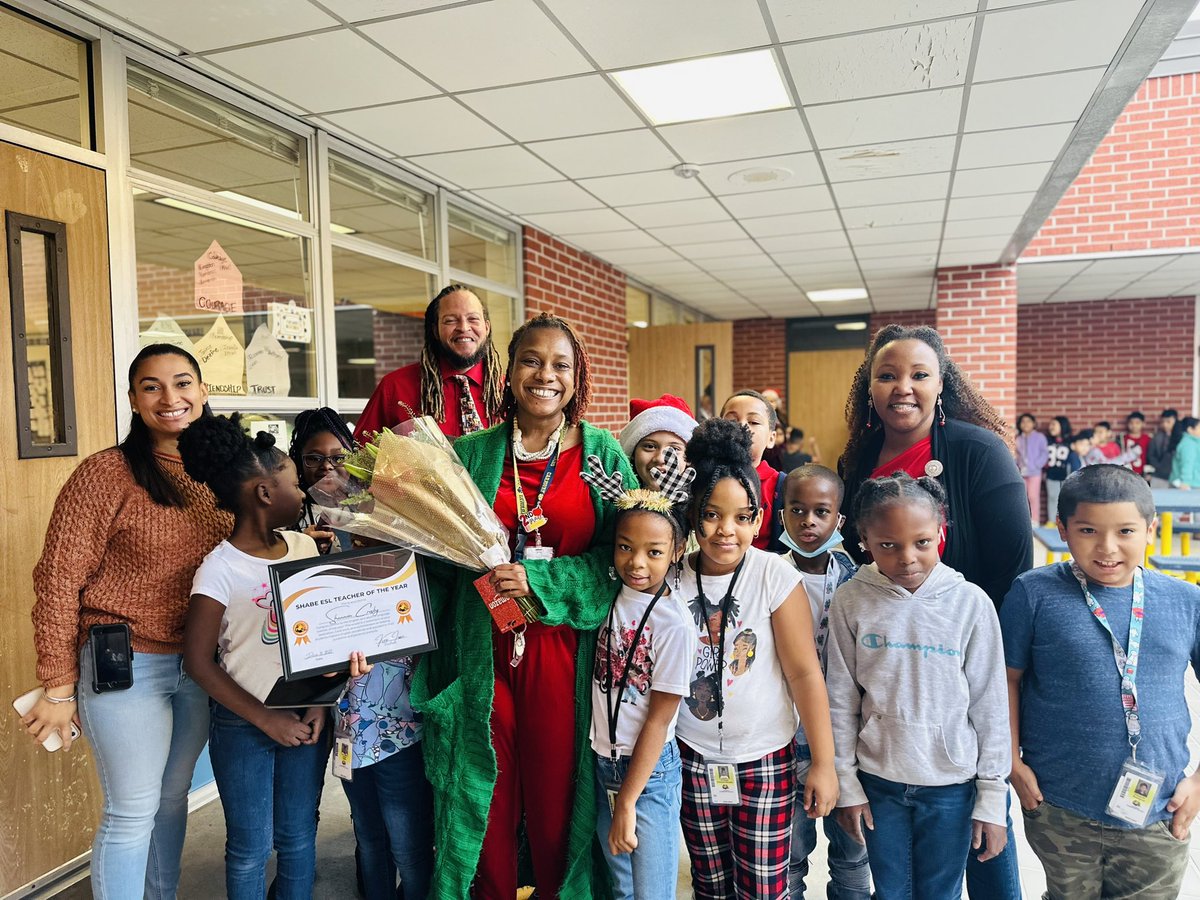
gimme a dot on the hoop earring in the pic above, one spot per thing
(941, 411)
(612, 573)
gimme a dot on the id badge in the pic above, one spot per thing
(343, 757)
(1136, 791)
(612, 801)
(539, 552)
(723, 784)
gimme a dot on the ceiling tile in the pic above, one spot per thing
(983, 182)
(910, 250)
(580, 222)
(675, 267)
(221, 23)
(845, 273)
(926, 56)
(794, 223)
(893, 234)
(640, 255)
(618, 153)
(366, 75)
(1040, 100)
(819, 256)
(818, 18)
(903, 189)
(362, 10)
(989, 245)
(989, 205)
(992, 227)
(678, 235)
(603, 241)
(557, 196)
(420, 126)
(647, 187)
(891, 159)
(491, 167)
(820, 240)
(665, 29)
(781, 202)
(881, 119)
(510, 41)
(803, 167)
(894, 214)
(738, 137)
(678, 212)
(554, 109)
(719, 249)
(968, 257)
(1039, 143)
(1052, 37)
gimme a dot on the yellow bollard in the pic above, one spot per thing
(1185, 543)
(1166, 537)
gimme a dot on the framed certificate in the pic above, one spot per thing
(373, 600)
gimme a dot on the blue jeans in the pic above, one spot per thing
(269, 794)
(651, 871)
(146, 741)
(391, 805)
(849, 876)
(999, 878)
(919, 845)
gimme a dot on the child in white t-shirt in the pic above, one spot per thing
(644, 659)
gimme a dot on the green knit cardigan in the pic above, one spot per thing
(454, 685)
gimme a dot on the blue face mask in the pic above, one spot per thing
(834, 540)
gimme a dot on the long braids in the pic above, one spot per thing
(433, 402)
(960, 398)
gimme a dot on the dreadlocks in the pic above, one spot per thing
(433, 402)
(577, 408)
(960, 399)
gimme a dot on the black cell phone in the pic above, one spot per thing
(112, 656)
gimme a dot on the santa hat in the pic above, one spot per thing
(667, 413)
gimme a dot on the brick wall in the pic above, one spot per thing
(909, 318)
(591, 294)
(399, 340)
(759, 355)
(1070, 364)
(977, 318)
(1139, 191)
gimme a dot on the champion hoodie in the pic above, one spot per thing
(917, 688)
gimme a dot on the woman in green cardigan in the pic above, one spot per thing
(507, 715)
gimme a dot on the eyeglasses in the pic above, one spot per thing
(316, 460)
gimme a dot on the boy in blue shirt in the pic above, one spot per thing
(1106, 821)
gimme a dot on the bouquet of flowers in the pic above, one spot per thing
(408, 487)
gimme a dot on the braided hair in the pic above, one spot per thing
(718, 449)
(217, 452)
(655, 503)
(897, 489)
(433, 400)
(960, 398)
(308, 425)
(578, 406)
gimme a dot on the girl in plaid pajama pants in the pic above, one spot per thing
(756, 653)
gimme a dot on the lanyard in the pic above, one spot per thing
(726, 603)
(823, 626)
(618, 690)
(1127, 662)
(524, 514)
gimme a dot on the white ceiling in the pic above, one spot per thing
(1108, 277)
(921, 131)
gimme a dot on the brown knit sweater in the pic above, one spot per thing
(113, 555)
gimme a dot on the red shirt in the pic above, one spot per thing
(567, 506)
(1128, 442)
(403, 385)
(768, 477)
(913, 461)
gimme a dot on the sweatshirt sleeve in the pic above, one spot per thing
(987, 682)
(845, 702)
(76, 541)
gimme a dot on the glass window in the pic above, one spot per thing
(236, 294)
(481, 248)
(637, 307)
(44, 80)
(379, 316)
(370, 205)
(501, 313)
(187, 136)
(663, 312)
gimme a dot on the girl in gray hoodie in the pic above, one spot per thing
(918, 699)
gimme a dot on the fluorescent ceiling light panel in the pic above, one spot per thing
(707, 88)
(279, 210)
(834, 294)
(219, 216)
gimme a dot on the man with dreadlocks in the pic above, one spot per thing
(459, 379)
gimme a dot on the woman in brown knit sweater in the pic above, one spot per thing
(128, 531)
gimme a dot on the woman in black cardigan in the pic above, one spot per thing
(911, 408)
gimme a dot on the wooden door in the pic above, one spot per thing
(49, 802)
(818, 384)
(662, 360)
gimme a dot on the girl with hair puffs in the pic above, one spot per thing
(756, 667)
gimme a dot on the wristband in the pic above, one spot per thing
(70, 699)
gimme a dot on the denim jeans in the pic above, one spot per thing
(146, 741)
(391, 805)
(849, 876)
(919, 845)
(651, 871)
(999, 878)
(269, 793)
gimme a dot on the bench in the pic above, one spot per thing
(1187, 567)
(1055, 545)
